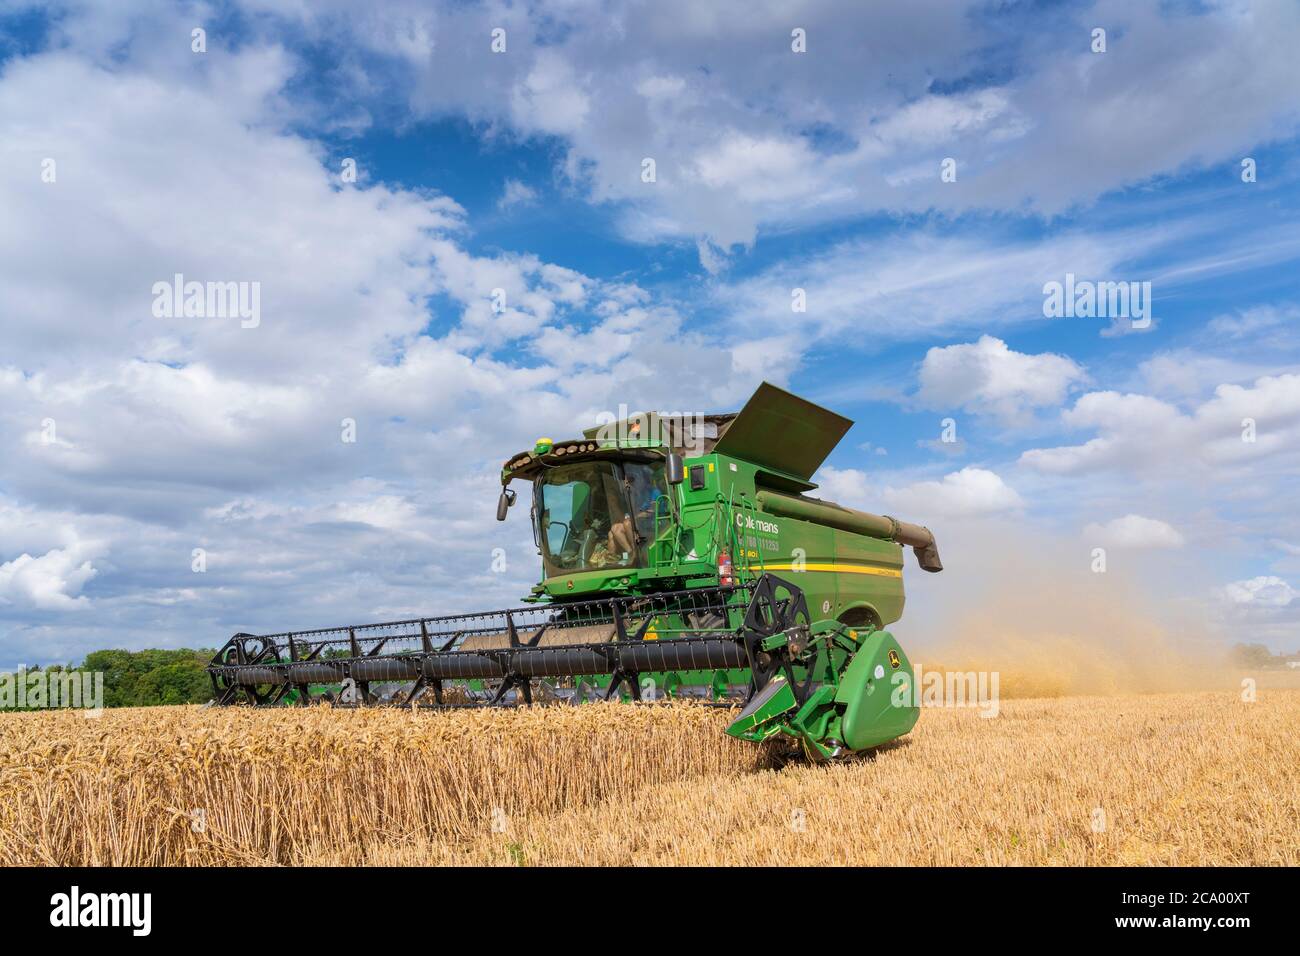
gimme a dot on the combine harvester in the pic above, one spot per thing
(682, 557)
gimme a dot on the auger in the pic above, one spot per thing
(683, 558)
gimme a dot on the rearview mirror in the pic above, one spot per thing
(504, 502)
(676, 469)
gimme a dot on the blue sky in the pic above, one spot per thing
(522, 171)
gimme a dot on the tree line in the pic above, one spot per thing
(146, 678)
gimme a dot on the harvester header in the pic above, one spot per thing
(682, 556)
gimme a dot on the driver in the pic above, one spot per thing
(643, 496)
(627, 513)
(621, 541)
(622, 537)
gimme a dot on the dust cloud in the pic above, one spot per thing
(1031, 608)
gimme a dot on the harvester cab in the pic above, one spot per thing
(682, 556)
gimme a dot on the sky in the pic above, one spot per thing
(448, 214)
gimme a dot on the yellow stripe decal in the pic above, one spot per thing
(837, 568)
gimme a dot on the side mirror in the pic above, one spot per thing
(676, 469)
(504, 502)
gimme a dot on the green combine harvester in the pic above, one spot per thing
(682, 558)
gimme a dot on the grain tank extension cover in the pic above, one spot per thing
(783, 433)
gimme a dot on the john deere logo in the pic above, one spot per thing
(894, 661)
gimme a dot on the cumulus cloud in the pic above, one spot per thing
(967, 493)
(550, 98)
(1233, 348)
(49, 582)
(847, 486)
(765, 138)
(1134, 531)
(1238, 426)
(988, 377)
(182, 433)
(970, 492)
(859, 123)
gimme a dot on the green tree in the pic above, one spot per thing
(148, 677)
(176, 683)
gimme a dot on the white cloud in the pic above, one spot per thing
(938, 120)
(1232, 348)
(754, 170)
(990, 378)
(662, 88)
(188, 433)
(765, 138)
(869, 293)
(967, 493)
(1134, 531)
(49, 582)
(1263, 591)
(846, 486)
(713, 259)
(551, 98)
(1188, 373)
(970, 492)
(750, 136)
(1138, 433)
(1266, 324)
(516, 193)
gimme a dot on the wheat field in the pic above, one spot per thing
(1195, 778)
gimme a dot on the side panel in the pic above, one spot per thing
(871, 576)
(799, 550)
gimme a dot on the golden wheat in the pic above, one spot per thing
(1201, 778)
(180, 785)
(1183, 779)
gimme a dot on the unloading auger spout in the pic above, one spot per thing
(919, 539)
(682, 558)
